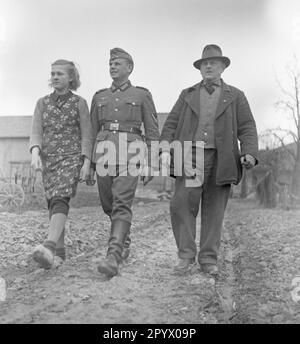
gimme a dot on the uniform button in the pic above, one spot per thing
(116, 109)
(205, 133)
(116, 120)
(117, 99)
(133, 103)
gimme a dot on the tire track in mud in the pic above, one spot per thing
(266, 258)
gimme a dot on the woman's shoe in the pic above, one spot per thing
(43, 256)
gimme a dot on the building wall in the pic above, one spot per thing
(13, 149)
(14, 144)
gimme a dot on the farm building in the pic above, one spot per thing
(14, 143)
(15, 157)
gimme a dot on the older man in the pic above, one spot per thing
(218, 115)
(117, 115)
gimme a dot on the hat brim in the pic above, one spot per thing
(197, 64)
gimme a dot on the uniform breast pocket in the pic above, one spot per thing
(134, 109)
(102, 110)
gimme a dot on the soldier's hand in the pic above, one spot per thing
(146, 175)
(90, 181)
(165, 159)
(248, 161)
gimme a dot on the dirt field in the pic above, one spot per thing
(259, 262)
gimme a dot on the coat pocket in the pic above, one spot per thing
(102, 110)
(134, 110)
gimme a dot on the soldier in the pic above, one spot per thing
(117, 114)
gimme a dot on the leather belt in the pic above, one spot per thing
(116, 126)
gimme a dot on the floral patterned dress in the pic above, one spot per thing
(61, 145)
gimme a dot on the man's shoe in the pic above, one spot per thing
(109, 266)
(58, 261)
(125, 253)
(126, 247)
(210, 269)
(43, 256)
(184, 265)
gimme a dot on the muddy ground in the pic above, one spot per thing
(259, 262)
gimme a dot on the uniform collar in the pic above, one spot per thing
(123, 87)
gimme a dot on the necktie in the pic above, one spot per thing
(209, 87)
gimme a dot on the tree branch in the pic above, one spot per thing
(283, 90)
(290, 152)
(288, 132)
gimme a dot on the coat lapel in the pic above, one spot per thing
(226, 97)
(193, 99)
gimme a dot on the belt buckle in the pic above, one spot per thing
(114, 126)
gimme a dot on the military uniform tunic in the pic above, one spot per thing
(127, 109)
(128, 106)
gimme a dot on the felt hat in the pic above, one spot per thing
(212, 51)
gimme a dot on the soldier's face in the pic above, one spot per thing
(212, 69)
(119, 69)
(60, 78)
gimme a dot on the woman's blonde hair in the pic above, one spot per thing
(72, 70)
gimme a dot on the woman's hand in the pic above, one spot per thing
(36, 161)
(85, 170)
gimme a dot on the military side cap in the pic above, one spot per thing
(118, 53)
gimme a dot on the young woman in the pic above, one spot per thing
(61, 145)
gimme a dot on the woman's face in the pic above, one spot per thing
(60, 78)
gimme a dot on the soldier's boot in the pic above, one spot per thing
(126, 248)
(110, 265)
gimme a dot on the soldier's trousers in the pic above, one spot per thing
(184, 208)
(117, 194)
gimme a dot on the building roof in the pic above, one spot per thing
(15, 126)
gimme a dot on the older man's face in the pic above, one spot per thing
(212, 69)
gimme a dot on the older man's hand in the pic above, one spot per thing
(248, 161)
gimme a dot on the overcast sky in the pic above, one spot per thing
(164, 37)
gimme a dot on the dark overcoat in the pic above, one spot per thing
(233, 122)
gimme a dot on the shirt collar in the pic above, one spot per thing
(122, 87)
(215, 83)
(61, 97)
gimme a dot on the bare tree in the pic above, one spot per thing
(290, 104)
